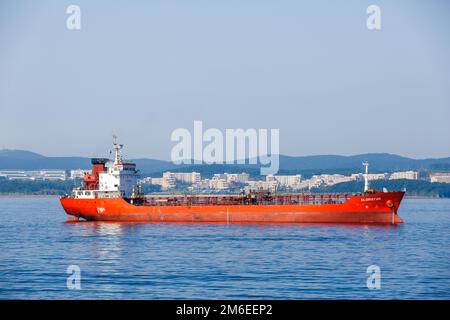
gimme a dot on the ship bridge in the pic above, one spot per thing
(116, 178)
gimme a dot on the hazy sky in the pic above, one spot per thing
(141, 69)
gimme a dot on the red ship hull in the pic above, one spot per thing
(377, 208)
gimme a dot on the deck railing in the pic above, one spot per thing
(264, 199)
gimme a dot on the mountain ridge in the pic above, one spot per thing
(379, 162)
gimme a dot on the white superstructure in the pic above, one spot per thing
(120, 177)
(115, 178)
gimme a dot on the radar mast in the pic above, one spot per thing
(117, 150)
(366, 176)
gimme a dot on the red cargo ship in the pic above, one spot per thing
(109, 194)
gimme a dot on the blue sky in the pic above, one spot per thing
(141, 69)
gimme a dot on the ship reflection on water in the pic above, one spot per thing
(117, 228)
(105, 243)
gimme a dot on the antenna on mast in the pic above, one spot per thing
(117, 150)
(366, 176)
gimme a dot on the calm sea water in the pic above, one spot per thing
(175, 261)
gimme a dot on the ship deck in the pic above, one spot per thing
(251, 199)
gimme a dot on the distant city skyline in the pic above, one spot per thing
(141, 70)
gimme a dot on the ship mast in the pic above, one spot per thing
(366, 176)
(117, 150)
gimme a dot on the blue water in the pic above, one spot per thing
(174, 261)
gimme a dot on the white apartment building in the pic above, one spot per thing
(271, 186)
(187, 177)
(370, 176)
(168, 181)
(218, 184)
(78, 173)
(50, 174)
(203, 184)
(442, 177)
(318, 181)
(146, 180)
(153, 181)
(315, 182)
(157, 181)
(410, 175)
(222, 181)
(237, 177)
(377, 176)
(332, 179)
(289, 181)
(357, 176)
(14, 175)
(305, 184)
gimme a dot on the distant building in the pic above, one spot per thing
(203, 184)
(15, 175)
(48, 174)
(357, 177)
(332, 179)
(305, 184)
(218, 183)
(324, 180)
(443, 177)
(316, 181)
(409, 175)
(146, 180)
(52, 175)
(187, 177)
(168, 181)
(271, 186)
(377, 176)
(288, 181)
(155, 181)
(78, 173)
(237, 177)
